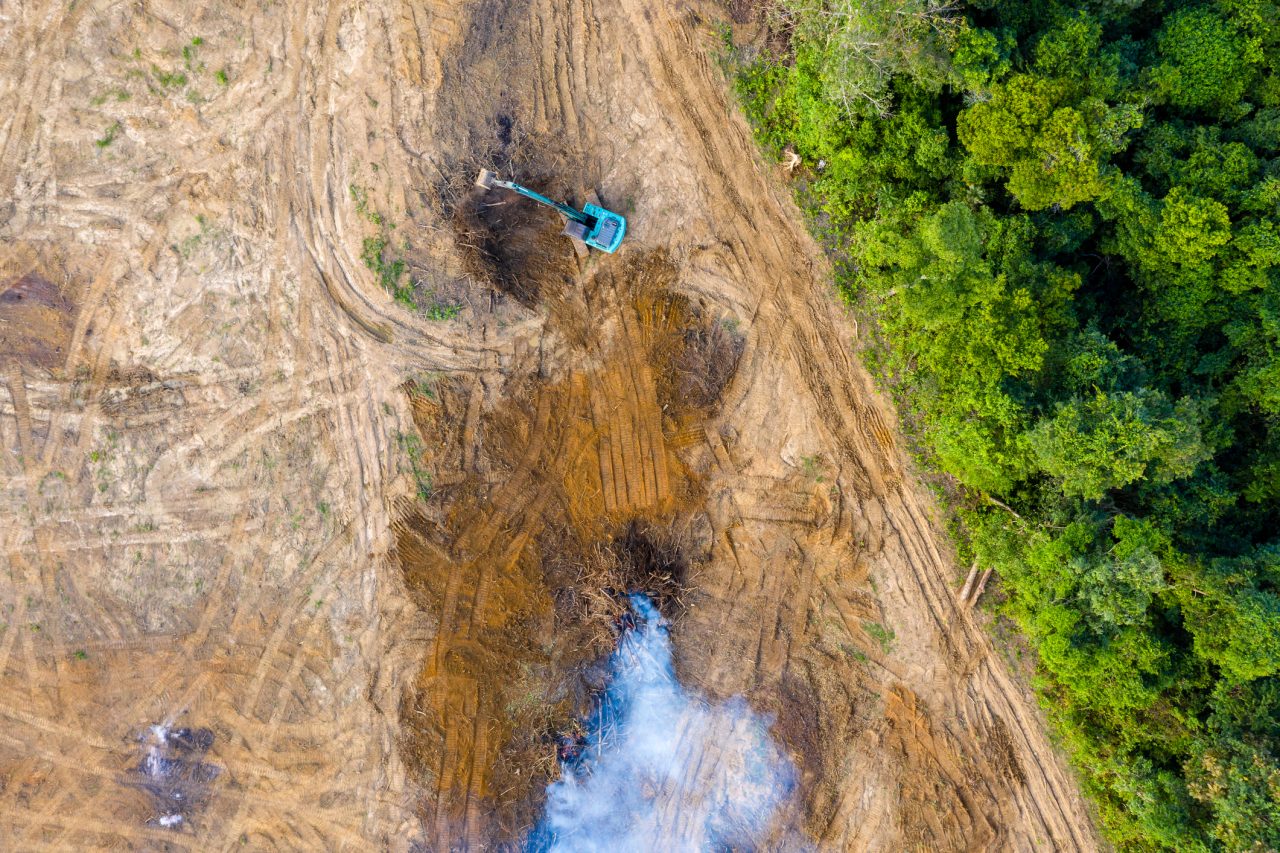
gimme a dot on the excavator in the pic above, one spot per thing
(593, 225)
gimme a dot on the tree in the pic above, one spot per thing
(1234, 768)
(1240, 783)
(1051, 143)
(1232, 609)
(1206, 63)
(1175, 247)
(864, 44)
(1110, 440)
(978, 309)
(1118, 590)
(1091, 335)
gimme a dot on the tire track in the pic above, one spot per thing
(315, 93)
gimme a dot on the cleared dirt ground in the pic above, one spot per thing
(340, 568)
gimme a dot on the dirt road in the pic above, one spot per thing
(291, 565)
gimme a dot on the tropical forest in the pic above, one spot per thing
(1062, 224)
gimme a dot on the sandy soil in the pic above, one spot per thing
(337, 566)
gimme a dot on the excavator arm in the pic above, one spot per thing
(596, 227)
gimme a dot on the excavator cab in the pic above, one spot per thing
(605, 234)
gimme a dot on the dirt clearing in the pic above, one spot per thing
(322, 474)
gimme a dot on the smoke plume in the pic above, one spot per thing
(663, 769)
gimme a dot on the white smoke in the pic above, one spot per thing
(663, 768)
(156, 767)
(173, 771)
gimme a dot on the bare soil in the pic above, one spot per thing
(362, 561)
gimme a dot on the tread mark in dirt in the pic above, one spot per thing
(630, 85)
(22, 416)
(591, 447)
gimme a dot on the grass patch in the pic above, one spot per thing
(412, 446)
(187, 247)
(442, 311)
(882, 635)
(423, 385)
(117, 94)
(168, 79)
(388, 268)
(190, 59)
(361, 197)
(377, 254)
(110, 136)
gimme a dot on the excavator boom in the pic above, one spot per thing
(596, 227)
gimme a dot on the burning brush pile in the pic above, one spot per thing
(174, 773)
(592, 585)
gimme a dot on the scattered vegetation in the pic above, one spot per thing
(442, 311)
(882, 635)
(377, 254)
(389, 269)
(103, 459)
(51, 477)
(190, 59)
(168, 79)
(361, 197)
(412, 446)
(179, 80)
(423, 385)
(187, 247)
(1065, 222)
(812, 466)
(117, 94)
(110, 136)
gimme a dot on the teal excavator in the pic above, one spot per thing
(593, 225)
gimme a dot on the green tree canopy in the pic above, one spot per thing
(1063, 224)
(1110, 440)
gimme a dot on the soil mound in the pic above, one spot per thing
(36, 322)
